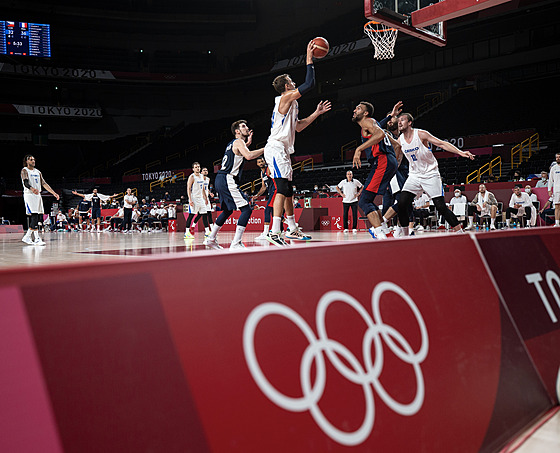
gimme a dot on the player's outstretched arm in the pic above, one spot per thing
(240, 148)
(322, 107)
(425, 136)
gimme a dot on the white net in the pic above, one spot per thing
(383, 39)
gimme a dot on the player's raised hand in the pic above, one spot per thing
(397, 109)
(310, 47)
(249, 137)
(323, 107)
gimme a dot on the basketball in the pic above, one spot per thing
(322, 47)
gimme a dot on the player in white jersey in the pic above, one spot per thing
(280, 145)
(423, 171)
(198, 200)
(33, 182)
(554, 189)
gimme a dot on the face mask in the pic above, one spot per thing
(457, 194)
(543, 178)
(527, 190)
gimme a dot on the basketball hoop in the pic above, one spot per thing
(383, 39)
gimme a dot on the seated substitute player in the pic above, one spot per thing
(519, 204)
(424, 171)
(383, 153)
(227, 185)
(268, 186)
(280, 145)
(483, 203)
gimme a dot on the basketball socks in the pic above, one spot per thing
(266, 229)
(291, 222)
(508, 222)
(238, 234)
(207, 230)
(471, 221)
(276, 222)
(214, 232)
(492, 221)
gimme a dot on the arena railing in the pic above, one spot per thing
(172, 179)
(488, 167)
(523, 151)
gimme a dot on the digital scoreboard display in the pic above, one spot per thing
(25, 39)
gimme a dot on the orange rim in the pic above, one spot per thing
(373, 22)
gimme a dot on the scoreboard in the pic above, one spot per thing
(25, 39)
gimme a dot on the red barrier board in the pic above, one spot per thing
(526, 267)
(192, 354)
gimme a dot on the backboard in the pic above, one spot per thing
(397, 14)
(424, 19)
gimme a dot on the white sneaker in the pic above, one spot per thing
(261, 237)
(297, 234)
(398, 232)
(385, 228)
(354, 230)
(212, 243)
(470, 227)
(492, 227)
(237, 245)
(27, 239)
(188, 235)
(345, 230)
(39, 241)
(419, 228)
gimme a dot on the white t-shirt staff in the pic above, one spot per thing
(349, 190)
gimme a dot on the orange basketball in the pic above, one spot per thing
(321, 47)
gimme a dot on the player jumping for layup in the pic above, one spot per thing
(383, 153)
(424, 171)
(227, 184)
(280, 145)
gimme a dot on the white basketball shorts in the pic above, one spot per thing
(198, 208)
(33, 204)
(278, 160)
(431, 184)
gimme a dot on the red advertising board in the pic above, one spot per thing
(198, 354)
(526, 267)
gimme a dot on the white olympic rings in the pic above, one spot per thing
(350, 367)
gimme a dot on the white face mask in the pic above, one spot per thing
(543, 178)
(527, 190)
(457, 194)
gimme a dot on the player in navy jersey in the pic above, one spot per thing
(269, 186)
(383, 153)
(227, 184)
(95, 199)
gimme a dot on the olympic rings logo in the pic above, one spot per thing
(325, 222)
(352, 369)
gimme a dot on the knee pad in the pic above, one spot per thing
(283, 187)
(34, 222)
(439, 203)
